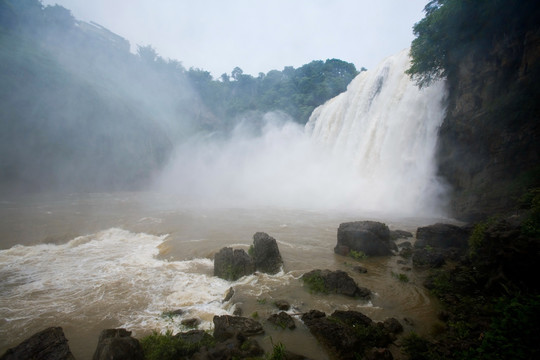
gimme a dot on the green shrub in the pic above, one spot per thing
(315, 283)
(476, 239)
(401, 277)
(278, 352)
(417, 347)
(170, 347)
(357, 255)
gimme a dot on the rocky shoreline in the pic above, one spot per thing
(343, 334)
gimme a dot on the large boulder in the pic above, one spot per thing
(228, 327)
(117, 344)
(282, 320)
(369, 237)
(348, 334)
(336, 282)
(232, 264)
(266, 254)
(50, 344)
(442, 236)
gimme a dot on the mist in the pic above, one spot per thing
(80, 112)
(369, 149)
(273, 164)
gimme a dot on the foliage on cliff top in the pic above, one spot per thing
(450, 27)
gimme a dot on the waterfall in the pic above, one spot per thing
(386, 128)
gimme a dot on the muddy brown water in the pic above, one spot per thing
(87, 262)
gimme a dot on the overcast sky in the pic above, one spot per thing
(258, 35)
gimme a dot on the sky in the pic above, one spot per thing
(257, 35)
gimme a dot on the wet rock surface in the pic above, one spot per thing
(336, 282)
(266, 254)
(116, 344)
(50, 343)
(351, 334)
(227, 327)
(368, 237)
(232, 264)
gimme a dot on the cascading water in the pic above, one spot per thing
(386, 127)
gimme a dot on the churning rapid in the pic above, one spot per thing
(370, 148)
(87, 262)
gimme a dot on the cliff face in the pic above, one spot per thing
(489, 140)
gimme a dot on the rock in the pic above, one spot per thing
(282, 305)
(442, 236)
(228, 295)
(266, 254)
(369, 237)
(360, 269)
(283, 320)
(346, 334)
(237, 310)
(232, 264)
(173, 313)
(50, 343)
(117, 344)
(189, 344)
(337, 282)
(400, 234)
(379, 354)
(393, 326)
(428, 258)
(405, 245)
(406, 252)
(191, 322)
(227, 327)
(238, 347)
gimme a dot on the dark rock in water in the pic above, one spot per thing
(346, 334)
(50, 343)
(232, 264)
(191, 322)
(400, 234)
(117, 344)
(369, 237)
(266, 254)
(337, 282)
(227, 327)
(173, 313)
(237, 311)
(406, 252)
(360, 269)
(405, 245)
(229, 295)
(283, 320)
(442, 236)
(282, 305)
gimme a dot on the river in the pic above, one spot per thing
(88, 262)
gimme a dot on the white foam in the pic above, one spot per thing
(113, 274)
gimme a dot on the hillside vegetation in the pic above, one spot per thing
(80, 112)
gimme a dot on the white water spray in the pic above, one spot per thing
(386, 127)
(370, 148)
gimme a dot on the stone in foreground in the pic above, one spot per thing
(50, 343)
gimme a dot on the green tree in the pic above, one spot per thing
(450, 28)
